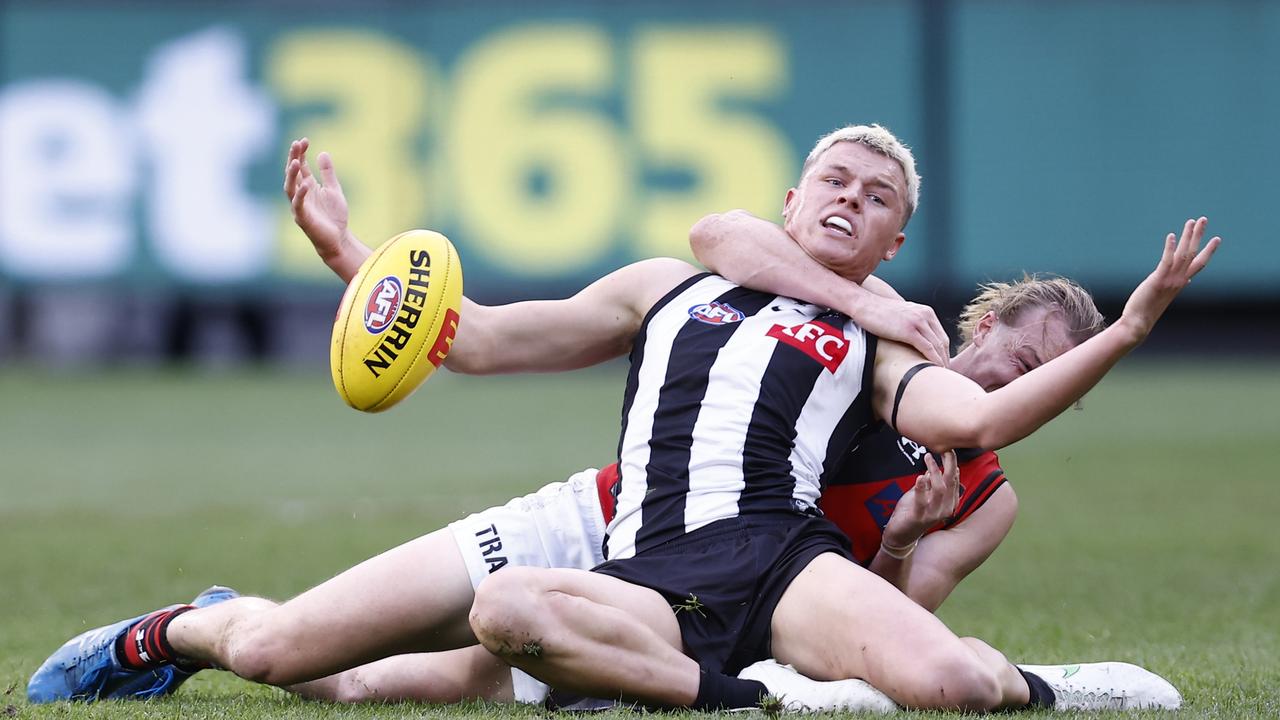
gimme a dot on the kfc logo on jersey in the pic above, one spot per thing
(716, 313)
(818, 340)
(383, 304)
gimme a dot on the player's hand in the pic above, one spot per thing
(319, 208)
(931, 501)
(1181, 260)
(905, 322)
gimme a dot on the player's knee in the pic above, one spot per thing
(505, 605)
(958, 681)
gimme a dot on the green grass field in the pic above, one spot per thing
(1147, 532)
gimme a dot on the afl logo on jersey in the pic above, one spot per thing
(716, 313)
(383, 304)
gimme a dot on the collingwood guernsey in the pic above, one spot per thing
(737, 402)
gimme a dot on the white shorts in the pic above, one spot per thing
(559, 526)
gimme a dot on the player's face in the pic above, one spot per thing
(1003, 352)
(847, 210)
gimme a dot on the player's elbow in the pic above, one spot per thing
(704, 236)
(971, 430)
(473, 350)
(710, 232)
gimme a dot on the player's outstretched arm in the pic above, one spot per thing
(320, 210)
(758, 254)
(597, 324)
(944, 410)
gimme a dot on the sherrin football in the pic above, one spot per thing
(397, 320)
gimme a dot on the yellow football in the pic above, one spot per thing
(397, 320)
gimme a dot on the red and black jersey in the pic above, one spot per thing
(880, 469)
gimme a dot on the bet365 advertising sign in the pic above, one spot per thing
(554, 141)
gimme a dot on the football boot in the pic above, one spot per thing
(85, 668)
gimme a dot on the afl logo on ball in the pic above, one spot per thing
(716, 313)
(383, 304)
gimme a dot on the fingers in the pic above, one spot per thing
(298, 199)
(1202, 259)
(928, 347)
(290, 177)
(291, 169)
(929, 483)
(1170, 250)
(328, 175)
(940, 340)
(924, 487)
(951, 480)
(930, 464)
(295, 166)
(938, 488)
(1189, 243)
(930, 339)
(1190, 259)
(938, 345)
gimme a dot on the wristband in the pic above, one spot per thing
(898, 553)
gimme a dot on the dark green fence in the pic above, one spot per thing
(142, 144)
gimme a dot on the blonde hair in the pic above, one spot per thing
(1008, 300)
(879, 139)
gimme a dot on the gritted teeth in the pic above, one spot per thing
(839, 223)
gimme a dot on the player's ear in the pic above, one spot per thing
(788, 201)
(985, 324)
(895, 247)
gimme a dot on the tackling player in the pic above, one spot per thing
(727, 438)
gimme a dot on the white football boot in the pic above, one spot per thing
(798, 693)
(1107, 686)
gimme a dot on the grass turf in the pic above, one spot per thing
(1146, 530)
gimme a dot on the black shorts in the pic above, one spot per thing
(724, 580)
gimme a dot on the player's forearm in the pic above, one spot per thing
(346, 260)
(524, 337)
(758, 254)
(925, 587)
(892, 569)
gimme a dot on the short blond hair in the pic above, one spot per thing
(878, 138)
(1008, 300)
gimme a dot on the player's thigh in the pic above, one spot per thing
(838, 620)
(561, 593)
(411, 598)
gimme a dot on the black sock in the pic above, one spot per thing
(144, 645)
(717, 691)
(1041, 694)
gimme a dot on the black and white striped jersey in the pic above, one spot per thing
(737, 402)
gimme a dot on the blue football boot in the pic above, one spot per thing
(85, 667)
